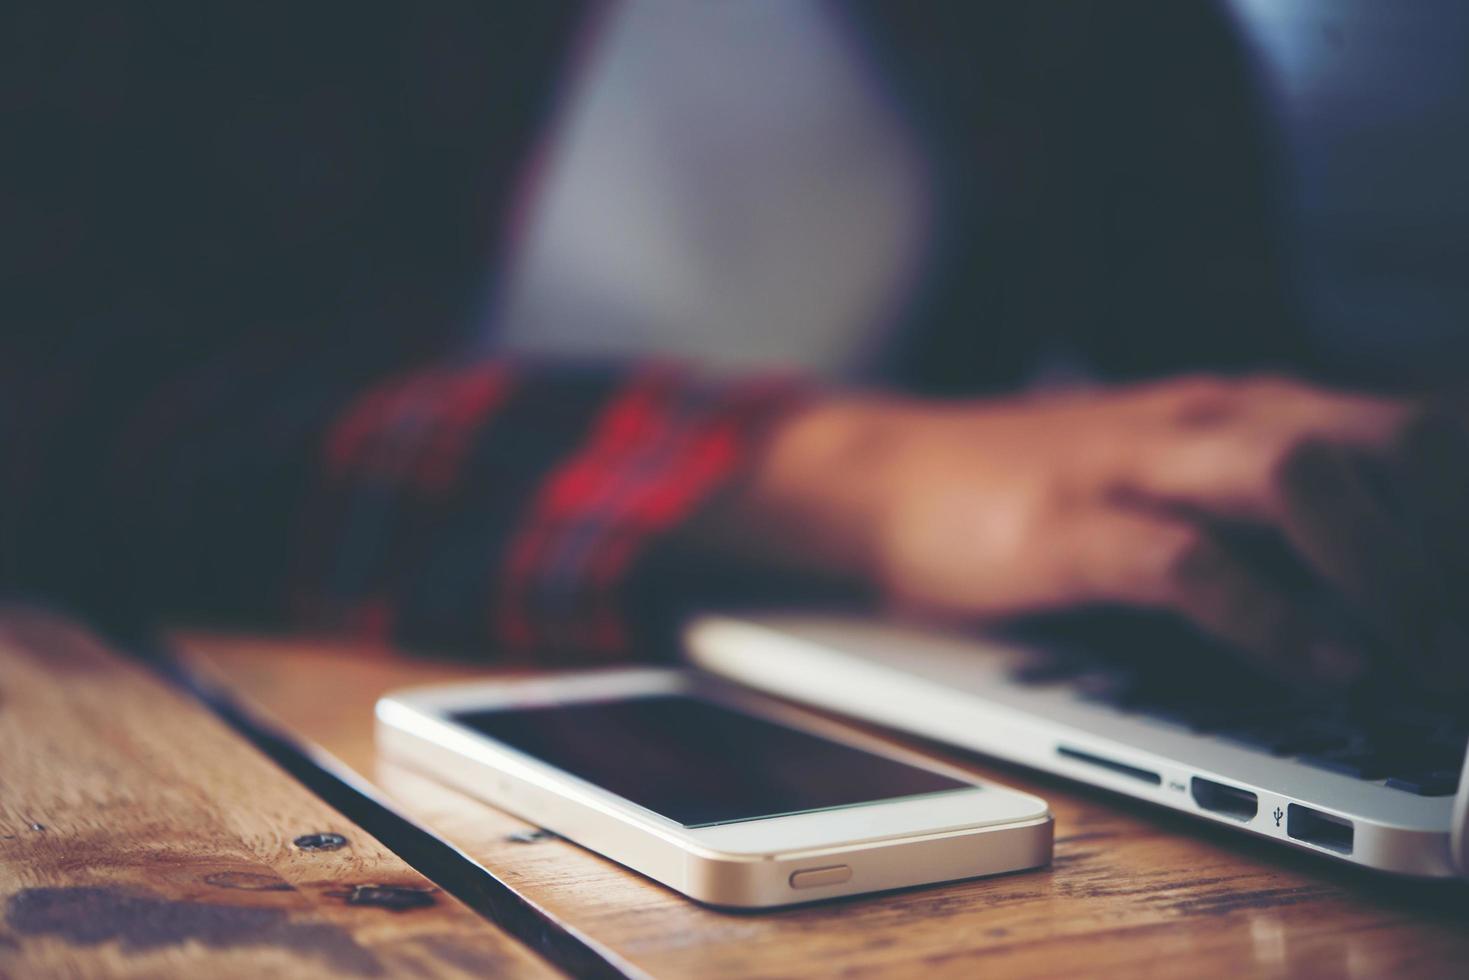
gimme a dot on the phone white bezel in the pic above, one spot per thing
(740, 863)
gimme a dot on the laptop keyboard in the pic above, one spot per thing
(1403, 744)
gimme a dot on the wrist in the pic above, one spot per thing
(820, 485)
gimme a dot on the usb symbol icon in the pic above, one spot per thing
(1277, 815)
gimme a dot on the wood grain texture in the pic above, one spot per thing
(1134, 891)
(141, 837)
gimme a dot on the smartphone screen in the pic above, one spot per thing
(700, 763)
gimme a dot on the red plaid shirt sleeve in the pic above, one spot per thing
(525, 510)
(513, 507)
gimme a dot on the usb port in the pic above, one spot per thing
(1218, 798)
(1321, 829)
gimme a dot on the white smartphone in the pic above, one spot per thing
(727, 796)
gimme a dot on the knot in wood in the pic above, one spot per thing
(395, 898)
(320, 842)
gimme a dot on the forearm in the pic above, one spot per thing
(496, 506)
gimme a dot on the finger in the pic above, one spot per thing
(1427, 471)
(1347, 533)
(1161, 562)
(1431, 465)
(1222, 443)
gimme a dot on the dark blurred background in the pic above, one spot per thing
(758, 183)
(725, 171)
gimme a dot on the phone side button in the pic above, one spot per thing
(816, 877)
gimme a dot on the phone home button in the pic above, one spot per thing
(816, 877)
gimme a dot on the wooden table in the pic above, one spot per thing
(1133, 891)
(140, 836)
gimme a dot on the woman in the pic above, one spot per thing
(249, 243)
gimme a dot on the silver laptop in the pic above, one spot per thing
(1383, 785)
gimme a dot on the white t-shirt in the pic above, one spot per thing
(728, 183)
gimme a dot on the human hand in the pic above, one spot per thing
(1147, 496)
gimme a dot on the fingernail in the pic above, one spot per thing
(1332, 661)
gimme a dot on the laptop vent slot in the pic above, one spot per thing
(1112, 765)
